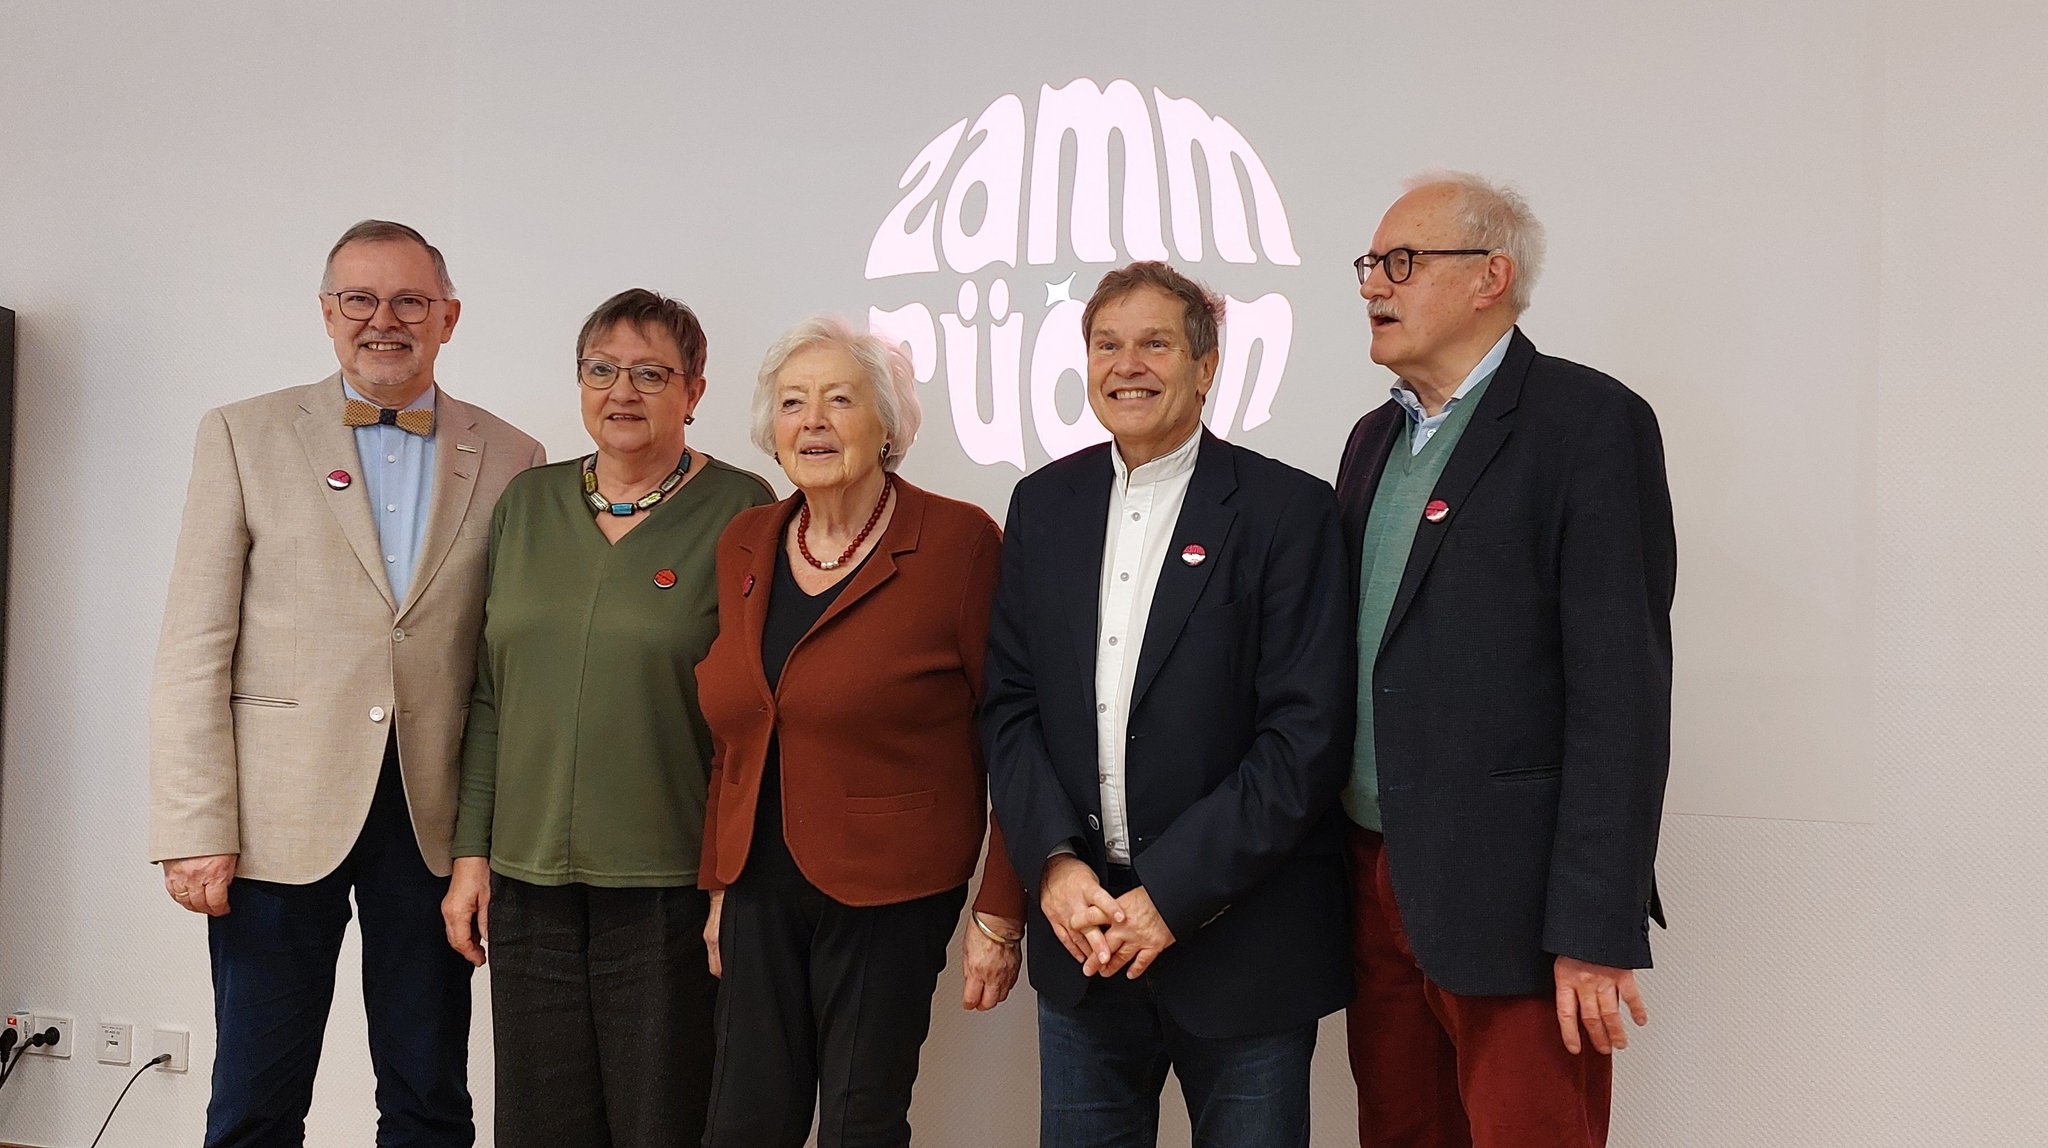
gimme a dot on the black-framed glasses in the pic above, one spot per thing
(1400, 261)
(407, 308)
(603, 375)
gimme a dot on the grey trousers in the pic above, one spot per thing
(601, 1007)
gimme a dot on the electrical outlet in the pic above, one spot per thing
(117, 1042)
(177, 1042)
(45, 1021)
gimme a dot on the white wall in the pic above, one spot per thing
(1802, 230)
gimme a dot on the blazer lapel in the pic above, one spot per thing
(1354, 500)
(1475, 450)
(756, 584)
(1204, 521)
(331, 447)
(458, 458)
(1076, 542)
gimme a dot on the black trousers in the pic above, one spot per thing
(823, 1004)
(601, 1008)
(273, 979)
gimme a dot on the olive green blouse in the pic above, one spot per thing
(586, 753)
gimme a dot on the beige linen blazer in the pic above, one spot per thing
(285, 663)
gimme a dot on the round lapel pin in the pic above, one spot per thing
(664, 578)
(1194, 554)
(338, 480)
(1437, 510)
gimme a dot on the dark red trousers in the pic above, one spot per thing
(1439, 1070)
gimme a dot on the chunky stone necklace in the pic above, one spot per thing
(647, 501)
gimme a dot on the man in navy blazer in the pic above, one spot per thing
(1510, 540)
(1168, 722)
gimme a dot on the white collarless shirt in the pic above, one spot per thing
(1144, 506)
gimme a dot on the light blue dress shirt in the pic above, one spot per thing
(398, 475)
(1423, 425)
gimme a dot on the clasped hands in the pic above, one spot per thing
(1105, 934)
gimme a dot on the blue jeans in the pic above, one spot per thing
(273, 978)
(1101, 1067)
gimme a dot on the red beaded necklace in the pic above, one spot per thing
(803, 527)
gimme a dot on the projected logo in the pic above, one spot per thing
(974, 245)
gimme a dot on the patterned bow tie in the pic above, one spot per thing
(357, 413)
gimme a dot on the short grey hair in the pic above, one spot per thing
(884, 364)
(385, 231)
(1496, 217)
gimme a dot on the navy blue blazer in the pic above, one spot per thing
(1522, 691)
(1240, 731)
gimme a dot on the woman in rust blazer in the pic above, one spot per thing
(847, 802)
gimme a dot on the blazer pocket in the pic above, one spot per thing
(893, 803)
(1528, 772)
(1215, 617)
(260, 700)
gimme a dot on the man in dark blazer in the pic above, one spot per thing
(1511, 545)
(1168, 723)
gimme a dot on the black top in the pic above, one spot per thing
(791, 614)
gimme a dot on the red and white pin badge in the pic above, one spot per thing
(664, 578)
(338, 480)
(747, 587)
(1194, 555)
(1437, 510)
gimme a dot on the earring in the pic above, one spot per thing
(887, 446)
(689, 420)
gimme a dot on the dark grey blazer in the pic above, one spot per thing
(1522, 692)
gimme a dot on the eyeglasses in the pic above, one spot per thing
(1400, 261)
(362, 306)
(603, 375)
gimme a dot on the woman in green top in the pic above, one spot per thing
(585, 756)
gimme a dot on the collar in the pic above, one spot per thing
(1173, 464)
(1487, 365)
(423, 403)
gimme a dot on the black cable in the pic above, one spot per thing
(161, 1058)
(36, 1040)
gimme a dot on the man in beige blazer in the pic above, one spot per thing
(318, 646)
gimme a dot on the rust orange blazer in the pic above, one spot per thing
(884, 795)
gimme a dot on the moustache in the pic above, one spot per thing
(1381, 309)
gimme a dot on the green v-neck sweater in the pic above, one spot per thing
(585, 756)
(1390, 526)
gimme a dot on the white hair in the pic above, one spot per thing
(1496, 217)
(883, 363)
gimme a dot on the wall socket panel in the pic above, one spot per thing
(63, 1025)
(177, 1042)
(116, 1044)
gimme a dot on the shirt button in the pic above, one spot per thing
(1112, 641)
(398, 635)
(391, 508)
(1135, 516)
(376, 713)
(390, 458)
(391, 558)
(1124, 577)
(1102, 707)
